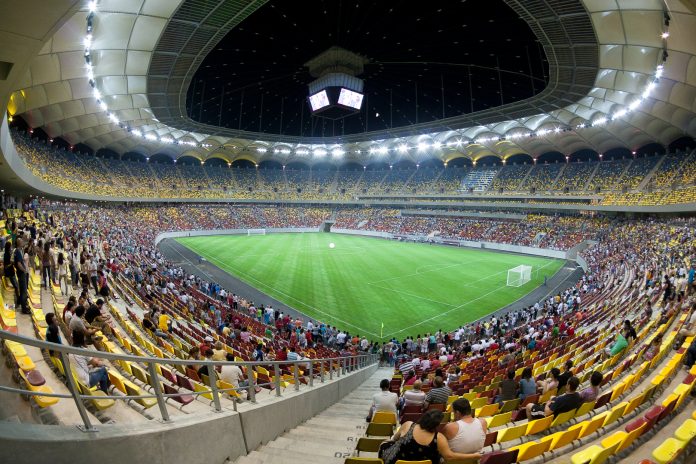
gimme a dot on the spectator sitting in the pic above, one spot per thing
(592, 391)
(527, 384)
(438, 394)
(233, 374)
(550, 382)
(509, 357)
(149, 325)
(384, 400)
(567, 374)
(219, 354)
(411, 378)
(654, 348)
(415, 396)
(422, 441)
(203, 370)
(558, 404)
(77, 324)
(618, 346)
(90, 371)
(52, 330)
(507, 389)
(466, 434)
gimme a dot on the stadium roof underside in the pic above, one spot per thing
(603, 89)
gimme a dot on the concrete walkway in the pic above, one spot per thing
(327, 438)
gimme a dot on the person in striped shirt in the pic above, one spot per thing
(438, 394)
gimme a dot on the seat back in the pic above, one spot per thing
(499, 419)
(563, 418)
(532, 449)
(500, 457)
(511, 433)
(539, 425)
(379, 430)
(384, 417)
(370, 445)
(510, 405)
(530, 400)
(603, 455)
(562, 438)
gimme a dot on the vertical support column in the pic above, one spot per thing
(158, 392)
(252, 385)
(72, 386)
(276, 369)
(212, 382)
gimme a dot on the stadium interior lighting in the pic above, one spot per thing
(338, 152)
(88, 41)
(403, 148)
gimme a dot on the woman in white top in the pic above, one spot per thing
(466, 434)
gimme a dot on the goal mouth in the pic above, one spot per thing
(256, 232)
(519, 275)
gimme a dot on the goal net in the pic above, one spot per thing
(256, 231)
(518, 276)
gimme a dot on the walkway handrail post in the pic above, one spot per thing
(252, 386)
(296, 375)
(311, 373)
(158, 391)
(330, 370)
(72, 386)
(321, 371)
(212, 382)
(276, 369)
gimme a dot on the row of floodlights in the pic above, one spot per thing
(403, 148)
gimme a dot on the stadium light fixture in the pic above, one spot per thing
(261, 150)
(403, 148)
(383, 150)
(338, 152)
(422, 146)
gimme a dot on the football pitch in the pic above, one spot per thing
(363, 282)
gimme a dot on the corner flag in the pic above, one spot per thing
(381, 331)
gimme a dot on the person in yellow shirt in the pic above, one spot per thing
(163, 323)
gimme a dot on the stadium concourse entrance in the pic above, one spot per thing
(182, 256)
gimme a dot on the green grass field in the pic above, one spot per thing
(362, 282)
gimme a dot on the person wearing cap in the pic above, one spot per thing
(207, 344)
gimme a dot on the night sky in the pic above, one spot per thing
(419, 51)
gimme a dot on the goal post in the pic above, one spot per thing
(256, 232)
(518, 276)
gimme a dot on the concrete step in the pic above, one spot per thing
(283, 456)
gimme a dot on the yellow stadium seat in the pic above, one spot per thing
(511, 433)
(563, 418)
(590, 426)
(478, 403)
(616, 412)
(623, 439)
(358, 460)
(668, 450)
(384, 417)
(539, 425)
(499, 419)
(585, 408)
(531, 450)
(487, 410)
(595, 454)
(563, 438)
(369, 445)
(687, 431)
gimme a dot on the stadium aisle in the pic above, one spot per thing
(329, 437)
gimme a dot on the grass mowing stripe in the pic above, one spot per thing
(421, 283)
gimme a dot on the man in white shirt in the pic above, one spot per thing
(385, 400)
(233, 374)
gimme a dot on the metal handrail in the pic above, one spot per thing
(345, 364)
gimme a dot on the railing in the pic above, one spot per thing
(314, 367)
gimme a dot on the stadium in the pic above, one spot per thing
(254, 231)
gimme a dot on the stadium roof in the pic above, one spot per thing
(606, 85)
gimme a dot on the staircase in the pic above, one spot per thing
(327, 438)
